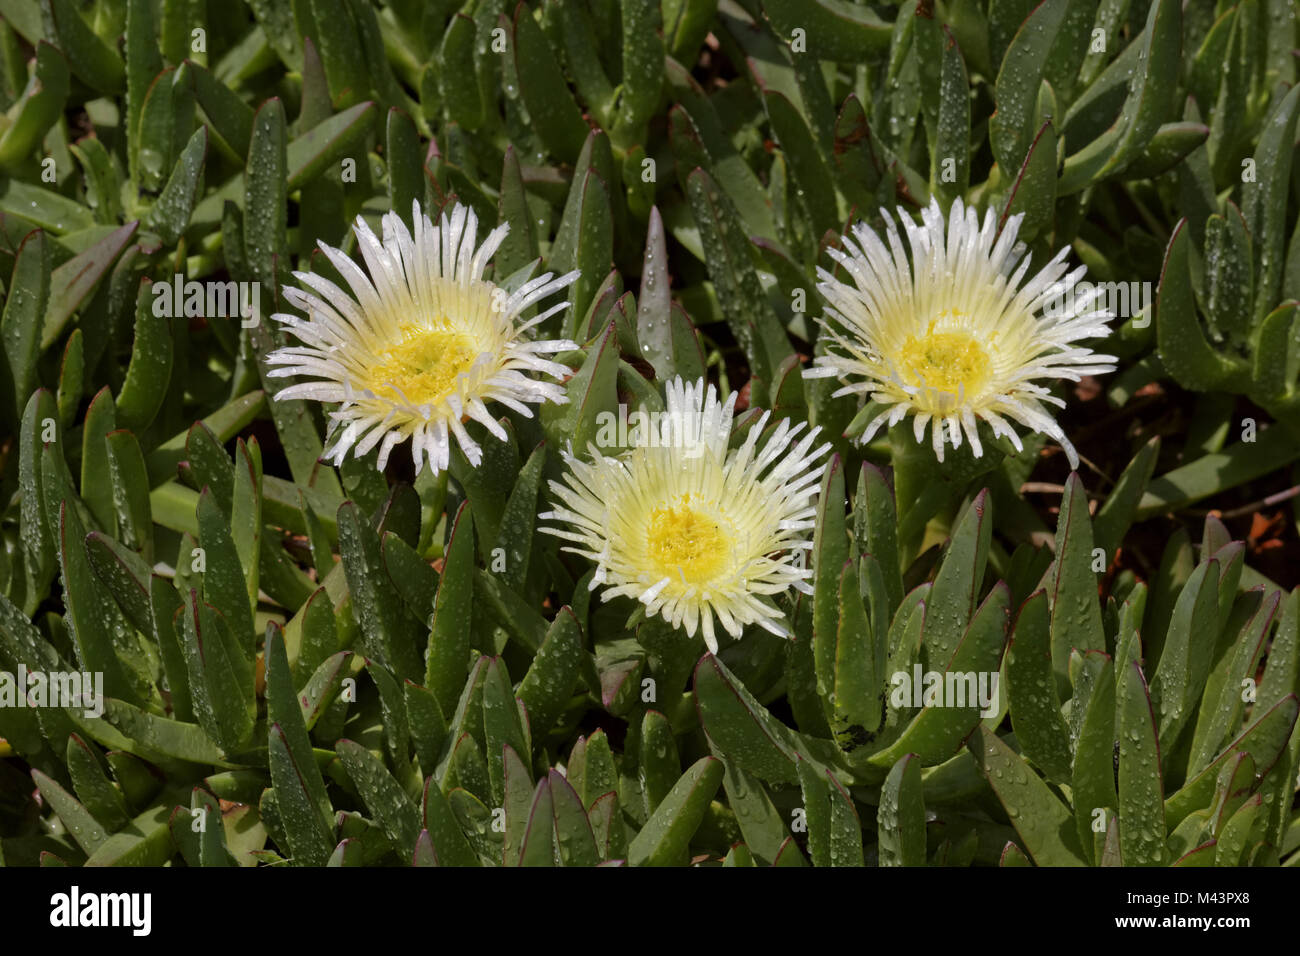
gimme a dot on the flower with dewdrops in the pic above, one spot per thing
(422, 343)
(690, 528)
(953, 336)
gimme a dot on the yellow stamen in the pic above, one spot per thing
(945, 361)
(423, 365)
(684, 542)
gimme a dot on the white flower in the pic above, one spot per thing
(691, 529)
(953, 336)
(422, 344)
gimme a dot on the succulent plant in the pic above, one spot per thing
(232, 633)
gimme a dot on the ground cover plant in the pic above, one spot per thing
(657, 432)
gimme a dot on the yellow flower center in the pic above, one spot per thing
(422, 365)
(686, 543)
(946, 361)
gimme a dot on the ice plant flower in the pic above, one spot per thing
(689, 528)
(953, 336)
(422, 343)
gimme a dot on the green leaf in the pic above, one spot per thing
(320, 147)
(83, 827)
(834, 29)
(831, 553)
(125, 574)
(1185, 658)
(318, 694)
(1183, 347)
(170, 213)
(665, 838)
(746, 731)
(518, 520)
(808, 169)
(1076, 613)
(92, 60)
(26, 304)
(643, 69)
(574, 837)
(1277, 356)
(246, 516)
(89, 626)
(900, 819)
(43, 208)
(1033, 194)
(100, 420)
(143, 64)
(957, 584)
(166, 118)
(1092, 782)
(229, 117)
(99, 795)
(584, 239)
(389, 633)
(519, 795)
(265, 190)
(1031, 689)
(72, 283)
(457, 84)
(145, 842)
(39, 107)
(336, 35)
(1041, 820)
(1264, 740)
(164, 603)
(590, 392)
(834, 831)
(444, 832)
(72, 380)
(223, 576)
(1263, 199)
(392, 712)
(1141, 787)
(1151, 77)
(549, 683)
(221, 675)
(1220, 713)
(155, 736)
(149, 372)
(875, 530)
(383, 796)
(283, 23)
(654, 328)
(728, 255)
(224, 423)
(858, 680)
(446, 661)
(405, 163)
(761, 823)
(555, 117)
(740, 726)
(938, 731)
(1117, 513)
(305, 808)
(537, 847)
(1011, 128)
(502, 723)
(1210, 474)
